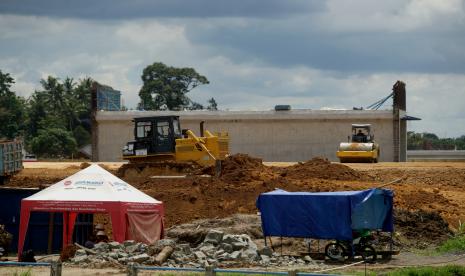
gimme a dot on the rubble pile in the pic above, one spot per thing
(217, 249)
(5, 237)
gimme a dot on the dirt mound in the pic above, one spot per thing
(242, 168)
(321, 168)
(420, 197)
(146, 170)
(420, 228)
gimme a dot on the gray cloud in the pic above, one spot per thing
(117, 9)
(338, 56)
(290, 42)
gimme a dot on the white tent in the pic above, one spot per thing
(134, 215)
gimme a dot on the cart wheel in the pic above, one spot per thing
(368, 254)
(335, 251)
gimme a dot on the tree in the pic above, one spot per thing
(55, 92)
(166, 85)
(82, 136)
(54, 142)
(195, 106)
(212, 105)
(37, 111)
(63, 105)
(11, 109)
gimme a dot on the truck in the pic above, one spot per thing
(11, 156)
(160, 143)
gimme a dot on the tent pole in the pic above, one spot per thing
(65, 229)
(23, 223)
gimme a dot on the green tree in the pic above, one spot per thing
(166, 86)
(81, 135)
(37, 111)
(460, 142)
(195, 106)
(54, 142)
(55, 92)
(61, 105)
(11, 109)
(212, 105)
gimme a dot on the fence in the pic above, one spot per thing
(132, 269)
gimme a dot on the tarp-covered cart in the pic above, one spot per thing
(326, 215)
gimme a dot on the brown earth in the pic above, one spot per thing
(431, 187)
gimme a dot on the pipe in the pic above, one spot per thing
(208, 134)
(24, 264)
(201, 128)
(170, 268)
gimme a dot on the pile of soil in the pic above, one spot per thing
(321, 168)
(420, 229)
(242, 168)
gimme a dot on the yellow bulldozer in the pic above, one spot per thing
(360, 147)
(160, 143)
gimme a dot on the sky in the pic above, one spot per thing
(256, 53)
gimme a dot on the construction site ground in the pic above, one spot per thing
(427, 195)
(429, 186)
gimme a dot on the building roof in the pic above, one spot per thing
(294, 114)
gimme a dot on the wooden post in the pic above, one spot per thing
(210, 271)
(55, 268)
(292, 272)
(132, 270)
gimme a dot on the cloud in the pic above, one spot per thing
(391, 16)
(309, 41)
(120, 9)
(257, 62)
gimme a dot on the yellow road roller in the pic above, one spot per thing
(361, 146)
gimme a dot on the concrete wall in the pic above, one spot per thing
(296, 135)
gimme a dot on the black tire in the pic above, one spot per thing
(335, 251)
(368, 253)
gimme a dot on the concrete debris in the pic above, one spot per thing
(139, 258)
(214, 237)
(164, 254)
(216, 249)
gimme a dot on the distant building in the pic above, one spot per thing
(108, 99)
(284, 134)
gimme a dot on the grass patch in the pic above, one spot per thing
(455, 244)
(449, 270)
(23, 273)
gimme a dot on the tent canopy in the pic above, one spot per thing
(328, 215)
(95, 190)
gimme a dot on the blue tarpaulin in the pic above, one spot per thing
(328, 215)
